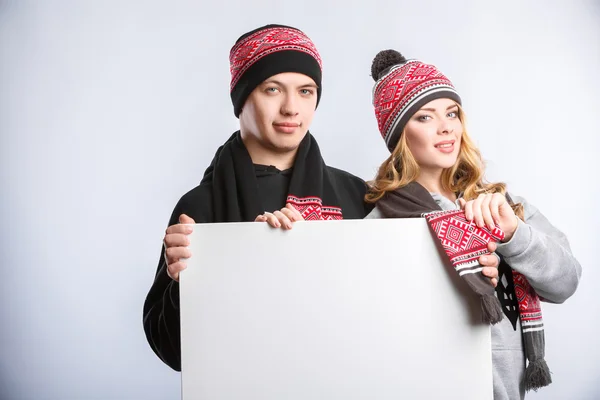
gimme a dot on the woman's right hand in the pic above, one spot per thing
(489, 210)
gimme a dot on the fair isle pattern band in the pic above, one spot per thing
(530, 309)
(403, 87)
(264, 42)
(463, 241)
(312, 209)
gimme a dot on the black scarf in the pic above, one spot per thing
(234, 184)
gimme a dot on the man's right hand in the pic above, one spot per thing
(176, 241)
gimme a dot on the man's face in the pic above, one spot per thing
(277, 114)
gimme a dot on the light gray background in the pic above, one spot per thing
(111, 110)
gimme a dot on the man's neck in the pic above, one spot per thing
(281, 160)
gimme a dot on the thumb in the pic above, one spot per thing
(184, 219)
(462, 203)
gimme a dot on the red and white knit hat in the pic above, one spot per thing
(402, 87)
(268, 51)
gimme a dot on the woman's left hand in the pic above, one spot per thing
(489, 210)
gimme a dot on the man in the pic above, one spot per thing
(270, 170)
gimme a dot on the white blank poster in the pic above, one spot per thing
(364, 309)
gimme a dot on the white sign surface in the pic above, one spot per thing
(364, 309)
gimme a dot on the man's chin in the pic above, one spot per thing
(287, 148)
(287, 144)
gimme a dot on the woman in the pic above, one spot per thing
(434, 165)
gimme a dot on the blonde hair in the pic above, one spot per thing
(466, 176)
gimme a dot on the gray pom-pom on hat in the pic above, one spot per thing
(383, 61)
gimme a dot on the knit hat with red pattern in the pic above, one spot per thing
(402, 87)
(268, 51)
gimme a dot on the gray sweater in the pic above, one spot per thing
(542, 253)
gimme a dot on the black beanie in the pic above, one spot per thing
(268, 51)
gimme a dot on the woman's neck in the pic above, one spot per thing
(433, 183)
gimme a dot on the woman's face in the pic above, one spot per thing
(433, 135)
